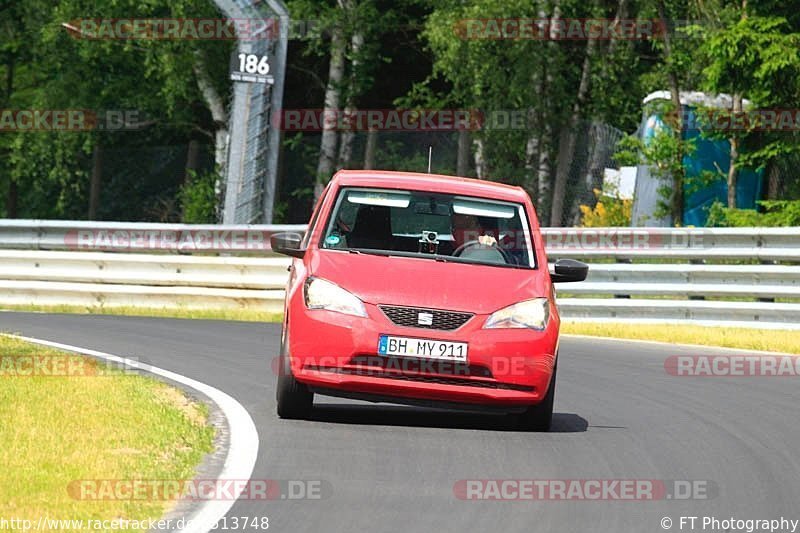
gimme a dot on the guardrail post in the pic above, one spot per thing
(624, 261)
(697, 262)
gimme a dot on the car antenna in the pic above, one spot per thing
(430, 156)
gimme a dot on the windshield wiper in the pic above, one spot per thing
(435, 257)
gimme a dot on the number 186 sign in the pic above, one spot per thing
(252, 68)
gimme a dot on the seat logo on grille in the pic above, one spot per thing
(425, 319)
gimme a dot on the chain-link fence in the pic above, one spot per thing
(253, 144)
(594, 147)
(144, 183)
(594, 152)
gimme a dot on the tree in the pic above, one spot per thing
(164, 81)
(757, 57)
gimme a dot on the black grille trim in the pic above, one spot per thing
(442, 320)
(442, 380)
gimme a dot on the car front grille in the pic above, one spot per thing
(430, 319)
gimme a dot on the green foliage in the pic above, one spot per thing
(609, 211)
(198, 198)
(778, 213)
(50, 69)
(755, 54)
(663, 154)
(757, 57)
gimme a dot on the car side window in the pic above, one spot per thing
(315, 218)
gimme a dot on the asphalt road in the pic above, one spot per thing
(619, 416)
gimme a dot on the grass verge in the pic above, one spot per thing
(96, 423)
(246, 315)
(747, 339)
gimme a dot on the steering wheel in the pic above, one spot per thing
(458, 252)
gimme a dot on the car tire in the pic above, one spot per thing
(539, 417)
(293, 398)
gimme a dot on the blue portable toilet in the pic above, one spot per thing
(709, 155)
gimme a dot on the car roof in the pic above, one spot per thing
(430, 182)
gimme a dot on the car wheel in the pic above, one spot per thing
(539, 417)
(293, 398)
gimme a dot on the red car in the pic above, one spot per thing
(424, 290)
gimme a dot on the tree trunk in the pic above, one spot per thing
(369, 151)
(480, 160)
(532, 153)
(348, 136)
(346, 145)
(566, 148)
(192, 161)
(216, 105)
(598, 143)
(96, 181)
(733, 170)
(192, 164)
(327, 148)
(12, 199)
(13, 192)
(462, 159)
(544, 178)
(676, 122)
(773, 181)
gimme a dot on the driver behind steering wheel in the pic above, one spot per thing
(466, 228)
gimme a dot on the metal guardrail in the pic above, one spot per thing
(174, 265)
(762, 244)
(137, 237)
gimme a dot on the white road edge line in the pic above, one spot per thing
(243, 449)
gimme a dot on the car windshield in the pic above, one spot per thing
(443, 227)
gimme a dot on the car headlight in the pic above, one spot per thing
(322, 294)
(532, 314)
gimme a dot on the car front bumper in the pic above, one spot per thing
(337, 354)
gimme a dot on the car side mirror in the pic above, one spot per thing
(566, 270)
(287, 244)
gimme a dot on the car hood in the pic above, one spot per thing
(420, 282)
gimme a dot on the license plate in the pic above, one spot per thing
(423, 348)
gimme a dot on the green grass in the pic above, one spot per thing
(247, 315)
(748, 339)
(117, 426)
